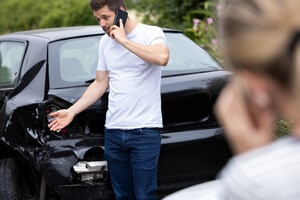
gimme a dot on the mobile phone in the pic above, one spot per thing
(120, 14)
(253, 109)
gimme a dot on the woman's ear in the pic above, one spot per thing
(259, 88)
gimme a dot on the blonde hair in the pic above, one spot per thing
(260, 36)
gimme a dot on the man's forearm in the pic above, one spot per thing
(89, 97)
(157, 54)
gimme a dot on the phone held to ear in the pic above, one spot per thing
(255, 103)
(120, 14)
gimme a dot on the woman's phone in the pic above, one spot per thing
(252, 107)
(120, 14)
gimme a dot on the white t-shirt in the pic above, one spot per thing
(134, 86)
(267, 173)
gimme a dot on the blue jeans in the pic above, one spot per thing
(132, 157)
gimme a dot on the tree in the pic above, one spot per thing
(33, 14)
(168, 13)
(20, 15)
(68, 13)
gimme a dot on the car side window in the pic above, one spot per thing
(76, 59)
(11, 56)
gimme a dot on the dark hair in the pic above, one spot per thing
(113, 5)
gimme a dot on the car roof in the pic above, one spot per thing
(63, 32)
(56, 33)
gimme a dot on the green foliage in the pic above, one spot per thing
(203, 30)
(33, 14)
(19, 15)
(68, 13)
(182, 15)
(282, 127)
(167, 13)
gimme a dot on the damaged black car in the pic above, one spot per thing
(45, 70)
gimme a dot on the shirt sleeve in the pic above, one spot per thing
(157, 36)
(101, 61)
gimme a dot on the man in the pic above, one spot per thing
(130, 60)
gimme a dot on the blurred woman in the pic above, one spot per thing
(260, 44)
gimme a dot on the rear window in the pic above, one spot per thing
(186, 56)
(11, 56)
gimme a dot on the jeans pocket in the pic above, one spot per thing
(150, 131)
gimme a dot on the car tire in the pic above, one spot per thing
(9, 177)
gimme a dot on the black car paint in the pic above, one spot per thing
(189, 131)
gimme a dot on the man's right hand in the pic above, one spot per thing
(62, 119)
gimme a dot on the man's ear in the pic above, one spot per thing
(123, 8)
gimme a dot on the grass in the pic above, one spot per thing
(282, 128)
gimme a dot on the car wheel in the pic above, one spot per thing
(9, 179)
